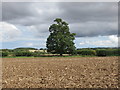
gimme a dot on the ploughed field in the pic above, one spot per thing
(60, 72)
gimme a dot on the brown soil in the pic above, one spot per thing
(60, 72)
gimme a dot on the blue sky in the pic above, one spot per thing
(26, 24)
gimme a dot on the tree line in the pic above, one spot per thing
(79, 52)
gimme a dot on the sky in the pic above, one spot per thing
(26, 24)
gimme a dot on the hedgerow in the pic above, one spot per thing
(86, 52)
(3, 54)
(23, 53)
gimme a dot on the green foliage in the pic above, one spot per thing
(60, 40)
(38, 54)
(3, 54)
(6, 50)
(86, 52)
(111, 52)
(23, 53)
(118, 52)
(101, 52)
(80, 52)
(107, 52)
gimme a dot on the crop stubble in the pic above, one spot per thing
(60, 72)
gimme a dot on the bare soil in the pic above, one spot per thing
(60, 72)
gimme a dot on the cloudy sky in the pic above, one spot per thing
(26, 24)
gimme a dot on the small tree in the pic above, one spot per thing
(60, 40)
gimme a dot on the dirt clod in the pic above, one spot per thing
(60, 72)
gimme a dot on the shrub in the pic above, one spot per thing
(3, 54)
(101, 52)
(23, 53)
(118, 52)
(111, 52)
(107, 52)
(37, 53)
(86, 52)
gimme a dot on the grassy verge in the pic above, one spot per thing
(44, 56)
(54, 56)
(16, 57)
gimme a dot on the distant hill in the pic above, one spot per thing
(25, 48)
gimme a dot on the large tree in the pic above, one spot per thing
(60, 40)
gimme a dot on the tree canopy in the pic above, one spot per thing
(60, 40)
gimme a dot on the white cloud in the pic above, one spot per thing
(39, 30)
(8, 32)
(111, 41)
(29, 44)
(102, 43)
(113, 38)
(82, 43)
(34, 44)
